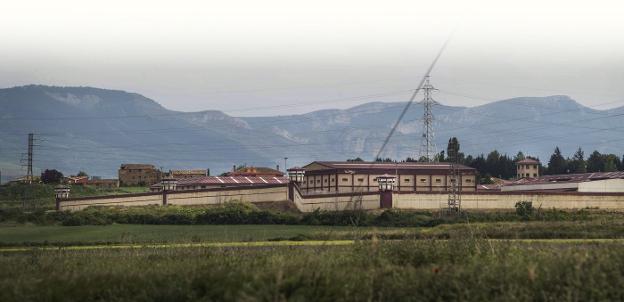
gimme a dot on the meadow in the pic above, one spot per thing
(240, 252)
(411, 270)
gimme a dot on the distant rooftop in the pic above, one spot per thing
(528, 161)
(568, 178)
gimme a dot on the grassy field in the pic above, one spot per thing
(24, 235)
(61, 235)
(426, 270)
(238, 252)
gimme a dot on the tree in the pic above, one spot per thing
(595, 162)
(355, 159)
(82, 173)
(452, 150)
(51, 176)
(520, 156)
(577, 164)
(612, 163)
(384, 160)
(557, 163)
(440, 157)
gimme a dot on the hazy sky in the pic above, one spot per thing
(279, 57)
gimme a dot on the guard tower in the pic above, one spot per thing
(527, 168)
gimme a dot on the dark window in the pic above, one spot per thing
(407, 180)
(438, 180)
(423, 180)
(345, 179)
(360, 179)
(468, 180)
(318, 181)
(325, 179)
(332, 180)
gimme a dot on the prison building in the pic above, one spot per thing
(344, 177)
(138, 175)
(212, 182)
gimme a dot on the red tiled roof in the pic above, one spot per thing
(255, 171)
(528, 161)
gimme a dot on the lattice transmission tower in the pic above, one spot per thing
(428, 147)
(454, 192)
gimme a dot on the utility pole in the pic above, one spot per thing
(285, 162)
(428, 147)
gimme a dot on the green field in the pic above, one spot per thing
(426, 270)
(20, 235)
(238, 252)
(25, 235)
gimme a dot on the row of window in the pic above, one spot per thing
(423, 180)
(527, 166)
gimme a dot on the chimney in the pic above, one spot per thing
(207, 172)
(233, 168)
(277, 167)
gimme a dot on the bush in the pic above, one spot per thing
(524, 209)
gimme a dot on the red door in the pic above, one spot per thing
(385, 199)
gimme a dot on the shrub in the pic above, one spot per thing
(524, 209)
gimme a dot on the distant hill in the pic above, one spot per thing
(95, 130)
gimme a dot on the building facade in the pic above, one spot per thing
(138, 175)
(527, 168)
(183, 174)
(344, 177)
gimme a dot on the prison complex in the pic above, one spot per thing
(343, 177)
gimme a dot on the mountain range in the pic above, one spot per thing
(95, 130)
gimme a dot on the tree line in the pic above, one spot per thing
(495, 164)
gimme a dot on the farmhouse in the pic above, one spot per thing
(182, 174)
(138, 175)
(343, 177)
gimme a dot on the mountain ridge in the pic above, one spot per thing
(96, 129)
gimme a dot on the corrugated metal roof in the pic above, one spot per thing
(390, 165)
(231, 180)
(568, 178)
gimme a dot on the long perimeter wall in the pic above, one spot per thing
(492, 201)
(195, 197)
(350, 201)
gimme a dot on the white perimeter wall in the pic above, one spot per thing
(421, 201)
(508, 201)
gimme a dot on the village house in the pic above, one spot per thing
(103, 183)
(256, 172)
(138, 175)
(76, 180)
(183, 174)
